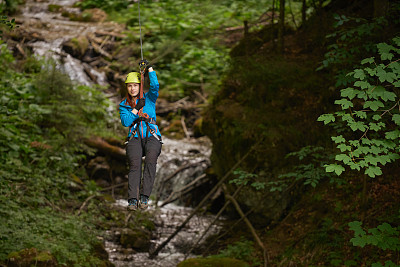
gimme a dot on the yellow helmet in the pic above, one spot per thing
(133, 77)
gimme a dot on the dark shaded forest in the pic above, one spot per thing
(300, 100)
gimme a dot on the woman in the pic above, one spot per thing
(144, 138)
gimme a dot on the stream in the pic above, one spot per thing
(52, 30)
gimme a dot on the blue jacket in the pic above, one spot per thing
(127, 117)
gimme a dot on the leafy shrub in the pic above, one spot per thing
(44, 118)
(311, 171)
(243, 178)
(241, 250)
(384, 237)
(369, 111)
(352, 39)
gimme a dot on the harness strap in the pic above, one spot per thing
(147, 120)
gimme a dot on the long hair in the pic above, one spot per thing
(130, 100)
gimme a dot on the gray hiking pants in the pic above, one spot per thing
(135, 150)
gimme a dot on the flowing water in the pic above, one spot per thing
(53, 29)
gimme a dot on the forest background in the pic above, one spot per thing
(264, 73)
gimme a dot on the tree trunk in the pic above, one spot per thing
(281, 30)
(364, 198)
(246, 28)
(303, 12)
(273, 25)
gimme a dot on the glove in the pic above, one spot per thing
(140, 103)
(143, 63)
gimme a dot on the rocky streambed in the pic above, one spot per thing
(167, 219)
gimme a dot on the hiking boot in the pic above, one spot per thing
(144, 202)
(132, 204)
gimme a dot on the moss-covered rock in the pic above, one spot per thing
(100, 252)
(137, 239)
(55, 8)
(76, 47)
(213, 262)
(31, 257)
(198, 127)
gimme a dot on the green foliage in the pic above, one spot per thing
(44, 117)
(370, 109)
(241, 250)
(183, 38)
(9, 6)
(243, 178)
(384, 237)
(68, 238)
(110, 5)
(311, 170)
(10, 24)
(352, 39)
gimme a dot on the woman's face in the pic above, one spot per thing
(133, 89)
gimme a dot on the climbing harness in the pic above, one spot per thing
(143, 117)
(147, 121)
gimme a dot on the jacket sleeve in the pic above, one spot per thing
(154, 86)
(127, 117)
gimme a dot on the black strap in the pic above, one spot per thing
(140, 119)
(147, 133)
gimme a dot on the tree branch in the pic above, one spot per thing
(203, 201)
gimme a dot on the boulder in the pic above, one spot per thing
(100, 252)
(76, 47)
(137, 239)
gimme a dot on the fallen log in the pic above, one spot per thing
(184, 127)
(114, 34)
(106, 148)
(92, 37)
(101, 51)
(114, 186)
(84, 204)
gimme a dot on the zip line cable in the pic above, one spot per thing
(140, 30)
